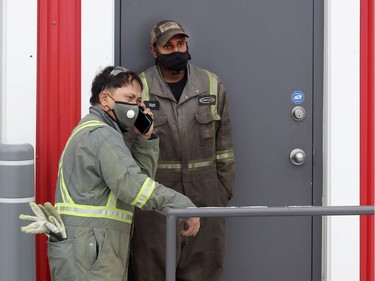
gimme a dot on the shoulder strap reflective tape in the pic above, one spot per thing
(112, 200)
(225, 155)
(145, 92)
(64, 191)
(68, 207)
(213, 91)
(145, 193)
(94, 212)
(92, 123)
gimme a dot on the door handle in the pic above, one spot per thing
(297, 157)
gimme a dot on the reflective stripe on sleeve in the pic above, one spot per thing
(145, 193)
(225, 155)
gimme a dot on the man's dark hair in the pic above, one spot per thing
(112, 78)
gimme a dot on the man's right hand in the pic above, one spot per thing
(192, 226)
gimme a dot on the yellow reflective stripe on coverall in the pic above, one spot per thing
(225, 155)
(64, 192)
(68, 207)
(213, 91)
(94, 212)
(145, 92)
(193, 131)
(213, 83)
(145, 193)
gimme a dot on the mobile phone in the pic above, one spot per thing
(143, 121)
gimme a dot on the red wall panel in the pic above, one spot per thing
(58, 98)
(367, 137)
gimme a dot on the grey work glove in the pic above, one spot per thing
(40, 224)
(36, 227)
(55, 218)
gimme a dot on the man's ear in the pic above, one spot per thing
(103, 98)
(153, 51)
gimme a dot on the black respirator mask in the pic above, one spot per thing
(125, 113)
(174, 62)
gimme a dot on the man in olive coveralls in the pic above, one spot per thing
(196, 158)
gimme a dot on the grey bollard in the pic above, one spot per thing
(17, 249)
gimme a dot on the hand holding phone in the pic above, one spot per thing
(143, 121)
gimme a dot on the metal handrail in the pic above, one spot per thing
(258, 211)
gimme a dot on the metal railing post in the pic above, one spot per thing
(170, 268)
(261, 211)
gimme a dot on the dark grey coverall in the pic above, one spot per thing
(196, 158)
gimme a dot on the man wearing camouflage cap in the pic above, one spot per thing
(196, 158)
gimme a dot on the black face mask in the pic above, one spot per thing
(174, 62)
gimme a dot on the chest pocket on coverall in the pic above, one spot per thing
(160, 120)
(206, 130)
(160, 123)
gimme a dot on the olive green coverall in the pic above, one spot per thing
(100, 182)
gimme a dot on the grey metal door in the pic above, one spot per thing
(269, 55)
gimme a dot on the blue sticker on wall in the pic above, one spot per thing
(298, 97)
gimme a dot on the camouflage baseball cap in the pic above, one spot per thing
(165, 30)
